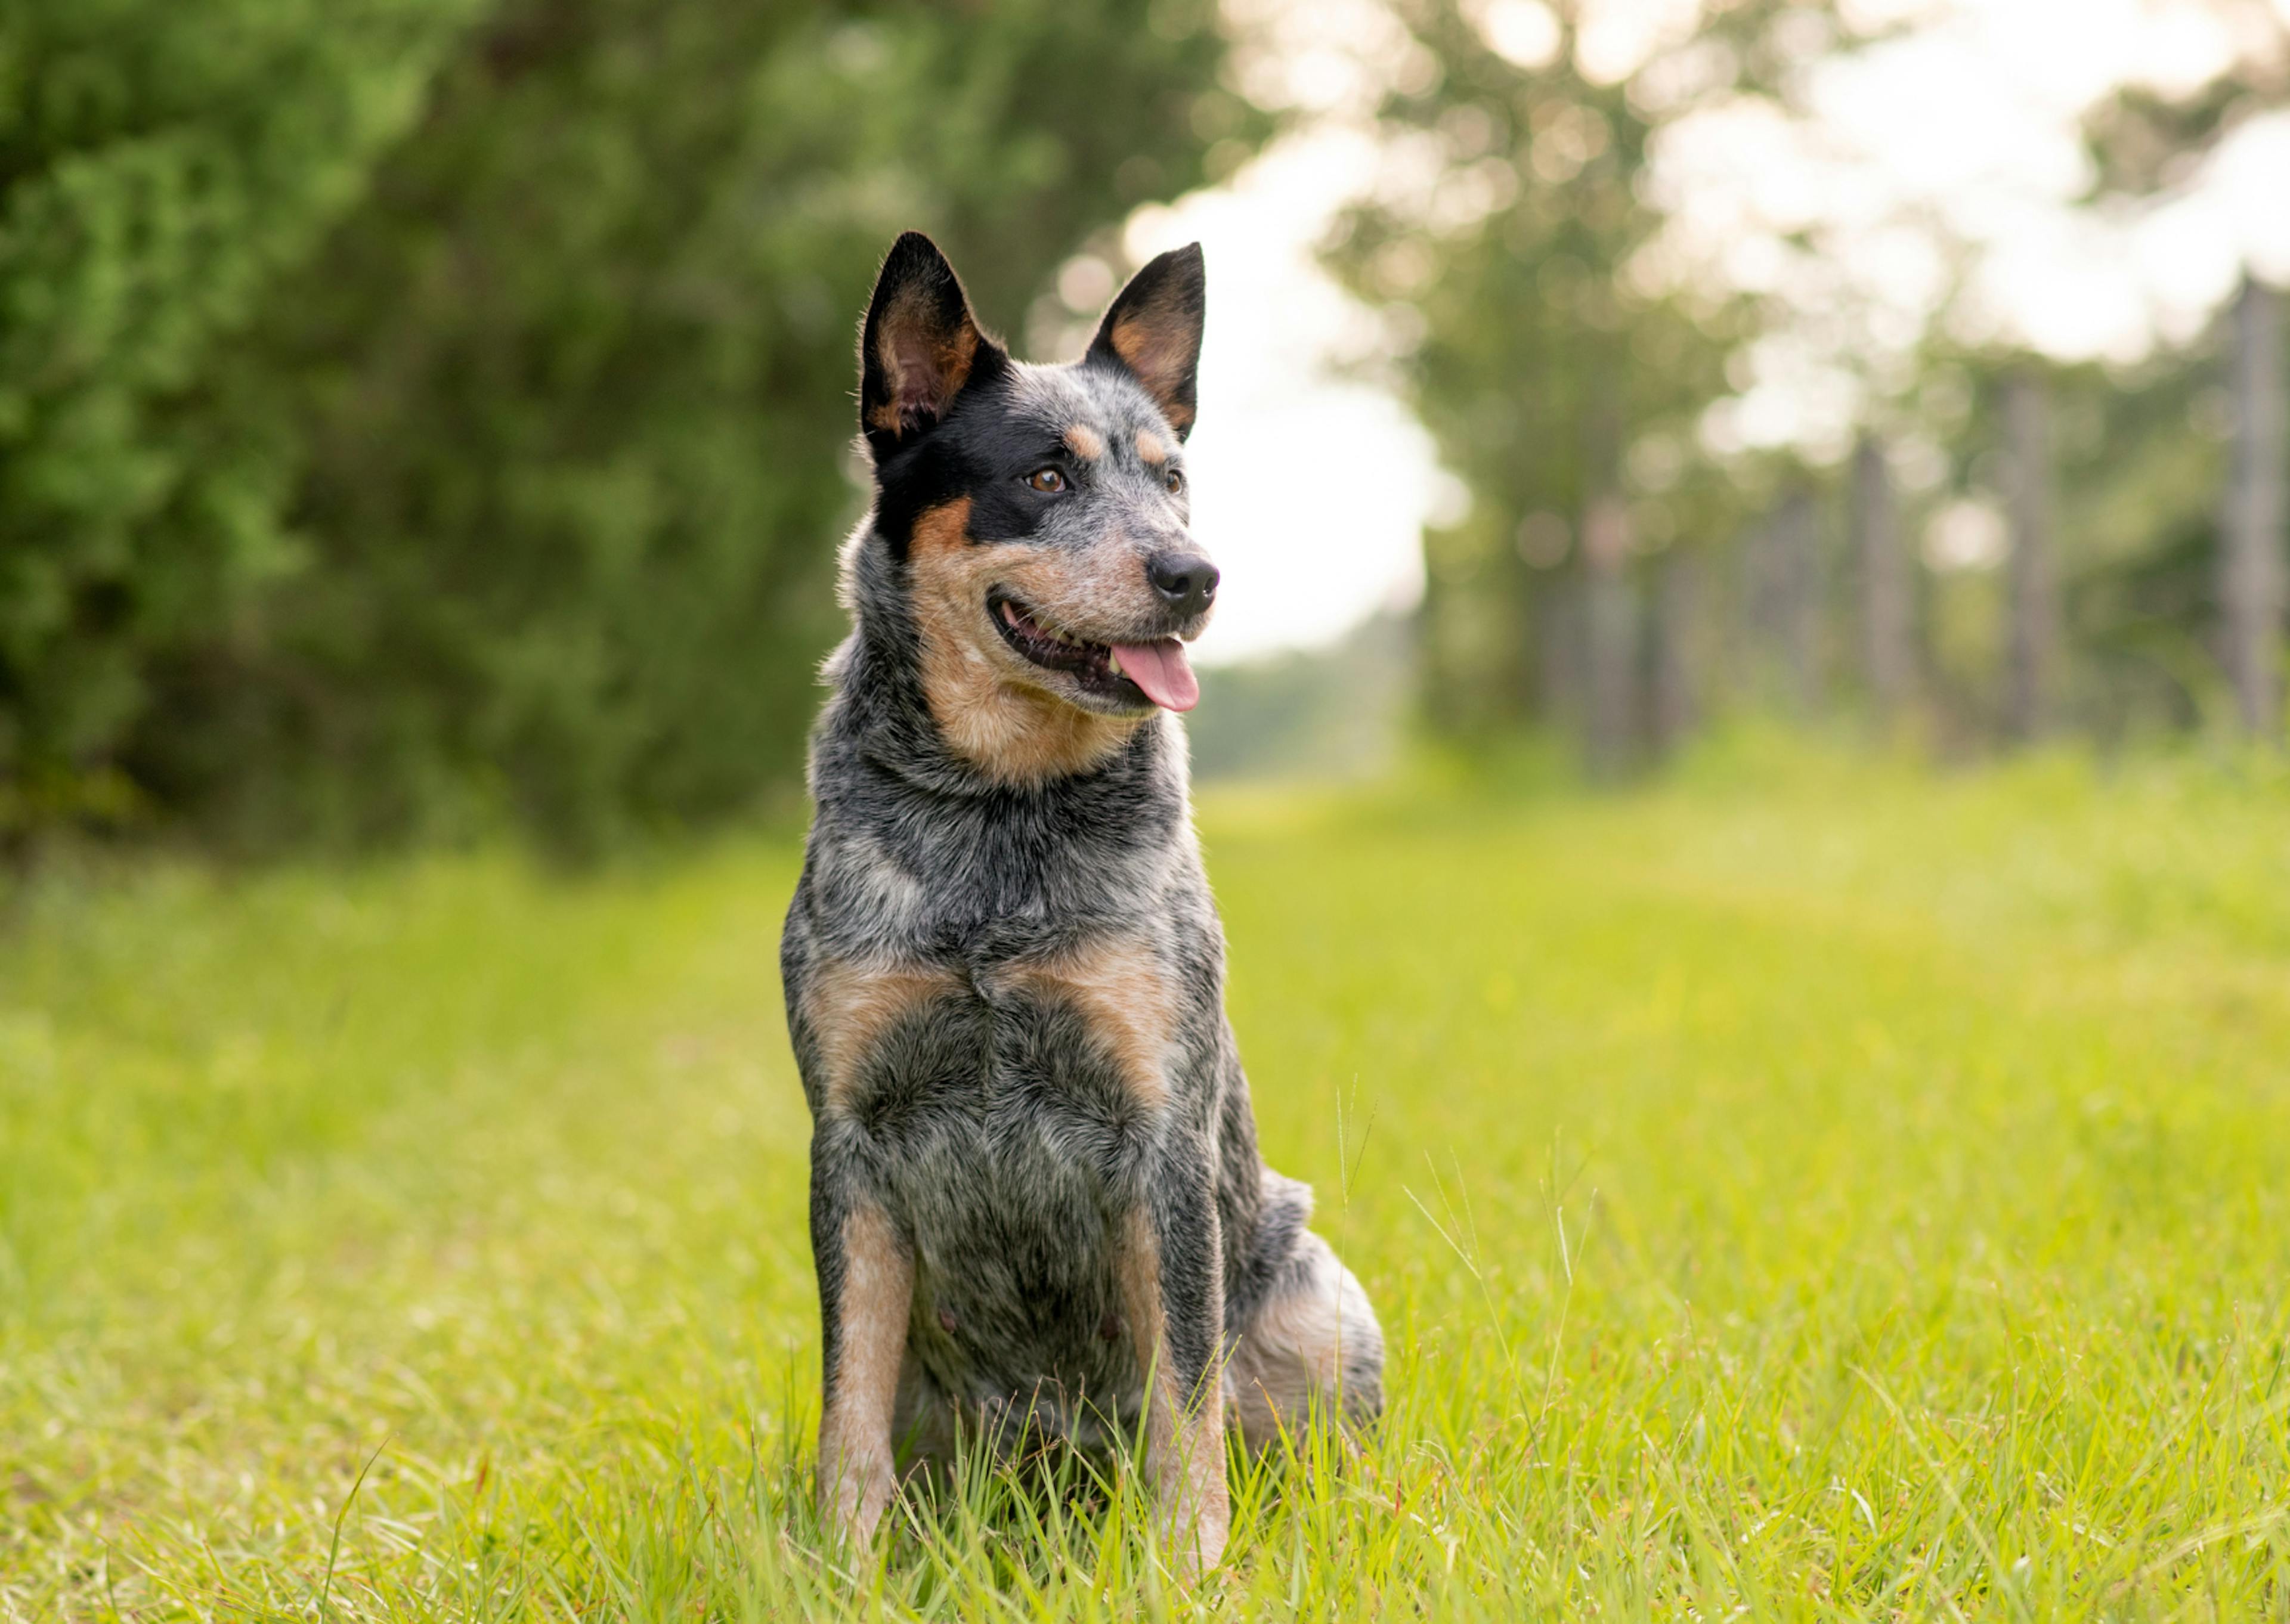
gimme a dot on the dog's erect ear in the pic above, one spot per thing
(920, 348)
(1154, 329)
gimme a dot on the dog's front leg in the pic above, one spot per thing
(1173, 1278)
(866, 1290)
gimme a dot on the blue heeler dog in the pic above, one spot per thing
(1035, 1200)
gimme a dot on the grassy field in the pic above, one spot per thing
(1790, 1193)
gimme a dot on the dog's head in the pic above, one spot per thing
(1037, 515)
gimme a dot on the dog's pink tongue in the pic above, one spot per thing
(1160, 669)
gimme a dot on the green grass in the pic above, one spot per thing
(1791, 1193)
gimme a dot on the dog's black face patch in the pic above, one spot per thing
(1091, 426)
(947, 415)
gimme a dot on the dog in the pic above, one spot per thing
(1036, 1207)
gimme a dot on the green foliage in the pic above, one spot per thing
(518, 489)
(1806, 1192)
(1554, 372)
(2143, 466)
(160, 164)
(1565, 370)
(2144, 140)
(2140, 459)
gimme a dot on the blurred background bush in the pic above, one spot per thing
(424, 417)
(423, 412)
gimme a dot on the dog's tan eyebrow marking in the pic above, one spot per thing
(1084, 442)
(1151, 446)
(941, 528)
(1127, 999)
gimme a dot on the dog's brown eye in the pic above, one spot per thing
(1049, 481)
(1174, 479)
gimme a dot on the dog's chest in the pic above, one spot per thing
(1012, 1022)
(1010, 1185)
(1008, 1115)
(990, 986)
(979, 1064)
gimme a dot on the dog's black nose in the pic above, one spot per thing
(1185, 581)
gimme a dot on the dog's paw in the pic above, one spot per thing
(853, 1494)
(1195, 1543)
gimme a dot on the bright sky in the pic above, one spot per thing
(1957, 140)
(1311, 484)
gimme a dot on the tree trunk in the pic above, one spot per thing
(1612, 624)
(1678, 661)
(1796, 589)
(1559, 648)
(1886, 661)
(2034, 584)
(1746, 657)
(2250, 555)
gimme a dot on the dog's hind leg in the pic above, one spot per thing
(1311, 1349)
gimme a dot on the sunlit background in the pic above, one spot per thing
(1928, 173)
(446, 428)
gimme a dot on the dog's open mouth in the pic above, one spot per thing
(1129, 674)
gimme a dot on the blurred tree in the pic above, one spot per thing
(1783, 594)
(1680, 661)
(160, 165)
(2033, 668)
(2144, 140)
(559, 415)
(2137, 458)
(1885, 587)
(1563, 374)
(578, 388)
(2146, 143)
(2253, 534)
(2142, 458)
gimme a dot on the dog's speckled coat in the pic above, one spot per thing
(1035, 1177)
